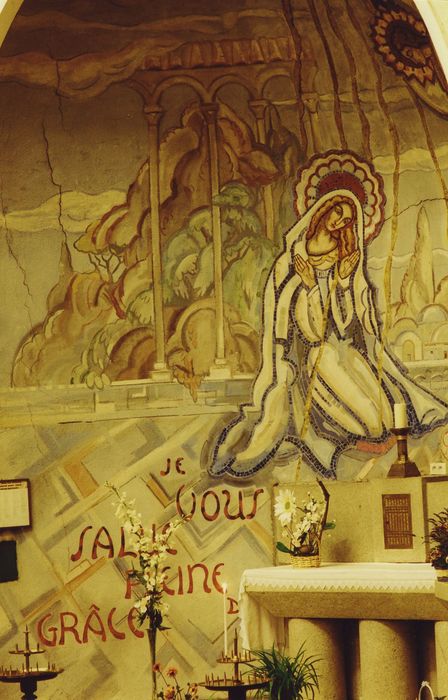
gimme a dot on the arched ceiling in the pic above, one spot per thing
(433, 12)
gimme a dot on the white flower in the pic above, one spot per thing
(142, 604)
(132, 541)
(302, 528)
(120, 510)
(285, 505)
(151, 551)
(306, 524)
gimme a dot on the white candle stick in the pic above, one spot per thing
(224, 598)
(400, 415)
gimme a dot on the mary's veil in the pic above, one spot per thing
(254, 436)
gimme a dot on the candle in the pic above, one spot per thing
(400, 415)
(224, 600)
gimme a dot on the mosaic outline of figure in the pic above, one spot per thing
(320, 386)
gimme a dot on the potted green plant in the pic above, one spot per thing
(438, 539)
(291, 677)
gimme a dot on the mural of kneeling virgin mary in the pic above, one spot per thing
(319, 386)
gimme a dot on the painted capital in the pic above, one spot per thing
(152, 114)
(210, 111)
(258, 107)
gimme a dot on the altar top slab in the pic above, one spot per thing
(364, 590)
(343, 577)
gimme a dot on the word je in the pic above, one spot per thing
(177, 466)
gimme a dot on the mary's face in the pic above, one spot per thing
(338, 217)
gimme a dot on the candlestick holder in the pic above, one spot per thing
(235, 685)
(402, 467)
(28, 677)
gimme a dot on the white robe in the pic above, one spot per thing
(347, 400)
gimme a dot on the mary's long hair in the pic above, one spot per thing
(347, 238)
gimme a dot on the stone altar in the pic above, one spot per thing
(378, 628)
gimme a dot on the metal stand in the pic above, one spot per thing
(402, 467)
(28, 677)
(28, 686)
(235, 687)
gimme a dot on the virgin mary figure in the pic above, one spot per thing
(326, 381)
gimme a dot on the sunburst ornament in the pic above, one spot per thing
(343, 170)
(404, 44)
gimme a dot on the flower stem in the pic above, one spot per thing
(152, 653)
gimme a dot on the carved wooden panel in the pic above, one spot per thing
(397, 521)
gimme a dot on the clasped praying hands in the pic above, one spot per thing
(305, 271)
(348, 264)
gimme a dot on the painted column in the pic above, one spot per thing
(153, 114)
(441, 638)
(322, 639)
(258, 107)
(311, 103)
(388, 659)
(210, 112)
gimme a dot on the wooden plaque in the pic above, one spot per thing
(397, 521)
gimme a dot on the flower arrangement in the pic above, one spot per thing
(438, 538)
(302, 526)
(152, 552)
(173, 691)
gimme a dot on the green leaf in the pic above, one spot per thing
(283, 548)
(290, 677)
(330, 526)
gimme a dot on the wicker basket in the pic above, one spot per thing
(305, 561)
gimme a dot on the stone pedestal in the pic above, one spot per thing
(220, 369)
(396, 653)
(388, 659)
(441, 639)
(322, 639)
(161, 373)
(350, 644)
(427, 653)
